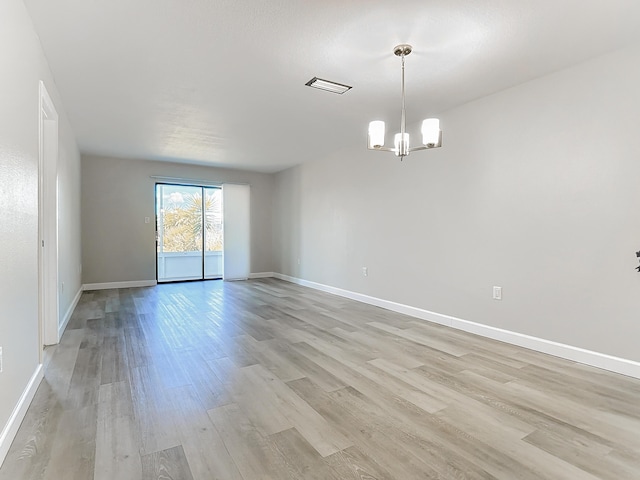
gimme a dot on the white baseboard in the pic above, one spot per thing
(588, 357)
(261, 275)
(152, 283)
(11, 428)
(110, 285)
(67, 316)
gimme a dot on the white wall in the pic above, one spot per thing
(23, 66)
(117, 194)
(536, 190)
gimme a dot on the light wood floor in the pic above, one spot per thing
(269, 380)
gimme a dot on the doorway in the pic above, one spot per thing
(189, 235)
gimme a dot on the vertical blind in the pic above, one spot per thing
(236, 231)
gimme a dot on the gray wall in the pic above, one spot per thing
(24, 65)
(69, 231)
(535, 190)
(117, 194)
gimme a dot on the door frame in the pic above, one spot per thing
(164, 181)
(48, 309)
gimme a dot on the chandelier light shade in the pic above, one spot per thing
(376, 134)
(401, 144)
(431, 133)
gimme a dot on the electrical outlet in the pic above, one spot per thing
(298, 261)
(365, 271)
(497, 293)
(0, 359)
(147, 219)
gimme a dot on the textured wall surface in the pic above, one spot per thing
(117, 195)
(535, 190)
(24, 65)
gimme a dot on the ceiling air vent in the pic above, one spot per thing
(327, 85)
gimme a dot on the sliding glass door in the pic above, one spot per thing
(212, 232)
(189, 232)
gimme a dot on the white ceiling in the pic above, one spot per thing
(221, 82)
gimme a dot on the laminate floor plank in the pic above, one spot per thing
(391, 438)
(224, 369)
(239, 351)
(31, 450)
(492, 369)
(211, 391)
(169, 464)
(273, 355)
(581, 417)
(117, 442)
(279, 401)
(299, 458)
(380, 443)
(85, 380)
(423, 383)
(368, 381)
(114, 366)
(420, 338)
(362, 311)
(73, 451)
(591, 374)
(203, 446)
(580, 452)
(321, 322)
(135, 345)
(247, 447)
(352, 464)
(449, 454)
(258, 402)
(311, 370)
(60, 361)
(535, 412)
(152, 409)
(625, 461)
(251, 325)
(385, 347)
(537, 462)
(487, 347)
(269, 380)
(600, 396)
(614, 428)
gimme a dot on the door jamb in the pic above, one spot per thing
(48, 221)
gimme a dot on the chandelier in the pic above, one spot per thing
(431, 133)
